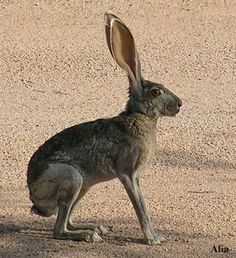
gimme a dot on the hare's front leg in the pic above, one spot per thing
(68, 191)
(160, 237)
(133, 190)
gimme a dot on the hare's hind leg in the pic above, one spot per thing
(83, 226)
(68, 191)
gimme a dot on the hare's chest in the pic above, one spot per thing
(148, 149)
(144, 162)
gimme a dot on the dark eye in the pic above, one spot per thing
(155, 92)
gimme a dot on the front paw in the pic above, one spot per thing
(156, 240)
(161, 238)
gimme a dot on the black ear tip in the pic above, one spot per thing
(107, 13)
(106, 19)
(108, 16)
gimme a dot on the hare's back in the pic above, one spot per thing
(91, 145)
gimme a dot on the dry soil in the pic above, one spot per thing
(56, 71)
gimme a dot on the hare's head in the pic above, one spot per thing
(149, 98)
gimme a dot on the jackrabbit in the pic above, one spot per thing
(64, 168)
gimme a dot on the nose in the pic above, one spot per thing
(179, 103)
(174, 104)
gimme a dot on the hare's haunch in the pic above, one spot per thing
(64, 168)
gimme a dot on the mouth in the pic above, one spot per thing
(171, 110)
(171, 113)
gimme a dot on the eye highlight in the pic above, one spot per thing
(155, 92)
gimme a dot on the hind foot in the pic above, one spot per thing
(99, 229)
(79, 235)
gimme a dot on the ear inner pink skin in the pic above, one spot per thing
(122, 47)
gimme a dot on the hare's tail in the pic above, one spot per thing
(42, 207)
(44, 213)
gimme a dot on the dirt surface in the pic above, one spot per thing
(56, 71)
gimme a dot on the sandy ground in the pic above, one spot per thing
(56, 71)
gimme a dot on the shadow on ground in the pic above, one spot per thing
(180, 158)
(31, 239)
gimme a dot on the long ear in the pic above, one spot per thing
(122, 47)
